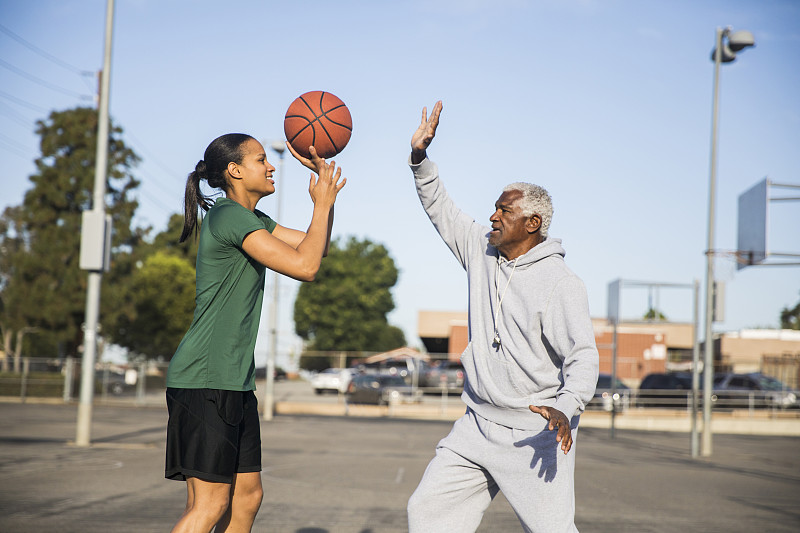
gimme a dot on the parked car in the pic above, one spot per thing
(753, 390)
(444, 374)
(118, 383)
(603, 396)
(400, 367)
(671, 389)
(278, 374)
(381, 389)
(332, 380)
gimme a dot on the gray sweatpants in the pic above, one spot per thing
(479, 458)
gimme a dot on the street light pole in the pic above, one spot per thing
(726, 46)
(269, 398)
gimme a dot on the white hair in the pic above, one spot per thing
(535, 201)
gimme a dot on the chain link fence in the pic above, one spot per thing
(144, 383)
(40, 377)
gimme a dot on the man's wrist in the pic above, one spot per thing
(418, 156)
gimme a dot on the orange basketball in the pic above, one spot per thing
(318, 119)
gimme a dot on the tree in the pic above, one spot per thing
(654, 314)
(156, 289)
(345, 308)
(790, 318)
(168, 240)
(42, 288)
(163, 308)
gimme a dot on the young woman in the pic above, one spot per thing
(213, 434)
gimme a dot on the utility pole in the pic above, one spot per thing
(95, 242)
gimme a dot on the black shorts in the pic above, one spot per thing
(212, 434)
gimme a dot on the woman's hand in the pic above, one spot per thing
(315, 163)
(326, 186)
(295, 253)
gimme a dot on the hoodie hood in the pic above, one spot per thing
(547, 248)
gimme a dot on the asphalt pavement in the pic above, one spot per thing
(330, 474)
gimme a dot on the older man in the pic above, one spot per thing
(531, 363)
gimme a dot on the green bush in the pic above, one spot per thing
(39, 384)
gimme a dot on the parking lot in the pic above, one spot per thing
(355, 474)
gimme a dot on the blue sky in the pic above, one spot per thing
(606, 104)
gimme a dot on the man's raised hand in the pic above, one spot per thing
(425, 132)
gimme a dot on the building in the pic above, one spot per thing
(646, 346)
(443, 332)
(775, 352)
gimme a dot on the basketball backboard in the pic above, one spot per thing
(752, 225)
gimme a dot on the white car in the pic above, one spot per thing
(332, 380)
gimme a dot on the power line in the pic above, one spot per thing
(16, 151)
(150, 180)
(22, 102)
(42, 82)
(13, 142)
(155, 198)
(17, 148)
(154, 181)
(151, 157)
(44, 54)
(15, 115)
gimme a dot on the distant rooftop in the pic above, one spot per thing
(772, 334)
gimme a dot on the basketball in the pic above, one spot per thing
(318, 119)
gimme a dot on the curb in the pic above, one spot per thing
(677, 421)
(741, 422)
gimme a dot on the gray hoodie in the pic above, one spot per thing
(547, 354)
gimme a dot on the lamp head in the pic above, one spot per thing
(740, 39)
(278, 146)
(732, 42)
(726, 56)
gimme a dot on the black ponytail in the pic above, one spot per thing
(212, 168)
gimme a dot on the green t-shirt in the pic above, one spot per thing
(218, 350)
